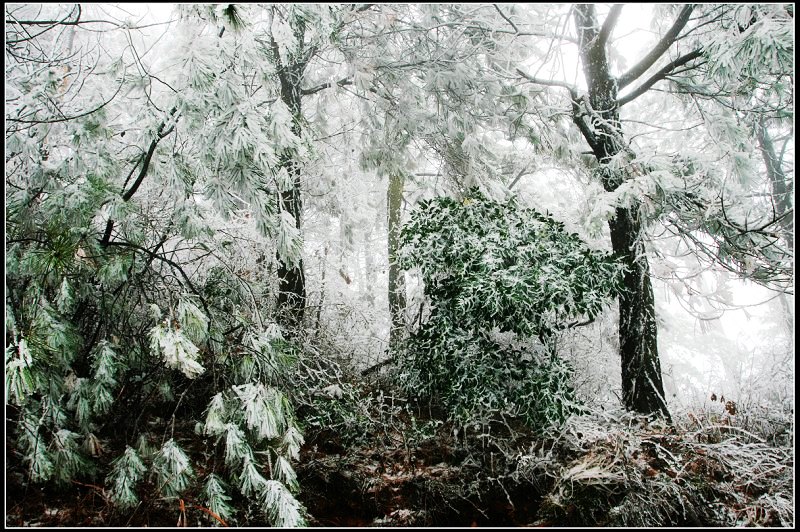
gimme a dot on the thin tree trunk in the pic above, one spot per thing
(782, 194)
(292, 285)
(397, 296)
(370, 275)
(777, 178)
(642, 385)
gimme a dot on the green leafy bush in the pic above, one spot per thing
(502, 281)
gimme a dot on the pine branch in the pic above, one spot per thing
(160, 134)
(549, 83)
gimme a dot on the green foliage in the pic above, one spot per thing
(111, 344)
(127, 314)
(216, 497)
(342, 409)
(173, 469)
(498, 277)
(126, 471)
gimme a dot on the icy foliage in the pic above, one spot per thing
(490, 269)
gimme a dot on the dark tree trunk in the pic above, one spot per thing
(598, 121)
(397, 297)
(292, 287)
(642, 387)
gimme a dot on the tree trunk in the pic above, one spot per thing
(642, 386)
(292, 287)
(782, 195)
(782, 199)
(397, 289)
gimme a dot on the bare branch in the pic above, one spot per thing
(608, 25)
(63, 22)
(549, 83)
(323, 86)
(171, 263)
(51, 24)
(519, 176)
(662, 46)
(516, 29)
(658, 76)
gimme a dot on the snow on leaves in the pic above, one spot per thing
(176, 350)
(289, 241)
(492, 268)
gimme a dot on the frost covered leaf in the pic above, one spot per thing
(173, 469)
(289, 241)
(19, 380)
(216, 498)
(103, 398)
(68, 459)
(215, 416)
(107, 365)
(282, 508)
(251, 481)
(284, 37)
(293, 441)
(126, 471)
(267, 220)
(284, 180)
(284, 472)
(65, 298)
(274, 355)
(236, 446)
(193, 321)
(280, 126)
(263, 409)
(176, 350)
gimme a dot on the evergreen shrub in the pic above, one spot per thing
(501, 281)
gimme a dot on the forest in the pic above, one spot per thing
(387, 265)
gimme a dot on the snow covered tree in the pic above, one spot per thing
(627, 176)
(470, 69)
(126, 312)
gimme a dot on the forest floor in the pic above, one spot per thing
(591, 474)
(598, 470)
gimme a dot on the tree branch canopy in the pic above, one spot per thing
(662, 46)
